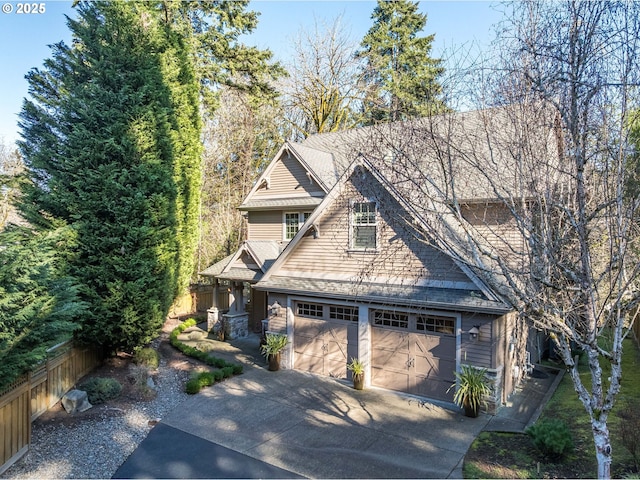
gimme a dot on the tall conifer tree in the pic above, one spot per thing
(400, 77)
(111, 145)
(39, 302)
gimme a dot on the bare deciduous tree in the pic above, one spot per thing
(555, 235)
(321, 94)
(239, 140)
(10, 166)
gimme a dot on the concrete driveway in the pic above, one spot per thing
(288, 423)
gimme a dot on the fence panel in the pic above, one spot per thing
(204, 298)
(33, 394)
(39, 394)
(15, 422)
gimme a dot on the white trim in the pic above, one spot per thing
(351, 247)
(364, 342)
(300, 213)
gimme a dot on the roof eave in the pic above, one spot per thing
(497, 310)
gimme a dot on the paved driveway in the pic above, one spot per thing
(288, 423)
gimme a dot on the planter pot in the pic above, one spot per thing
(469, 411)
(358, 382)
(274, 362)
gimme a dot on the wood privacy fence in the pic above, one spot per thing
(198, 300)
(30, 396)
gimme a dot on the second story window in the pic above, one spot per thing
(363, 226)
(292, 223)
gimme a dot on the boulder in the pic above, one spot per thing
(76, 401)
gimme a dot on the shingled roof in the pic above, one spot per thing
(461, 154)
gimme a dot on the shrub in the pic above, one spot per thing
(101, 389)
(192, 386)
(139, 376)
(551, 437)
(147, 357)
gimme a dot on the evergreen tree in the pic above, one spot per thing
(400, 77)
(214, 29)
(38, 301)
(111, 145)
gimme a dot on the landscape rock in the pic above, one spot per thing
(76, 401)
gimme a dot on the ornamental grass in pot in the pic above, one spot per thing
(272, 347)
(472, 388)
(356, 367)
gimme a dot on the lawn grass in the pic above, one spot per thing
(502, 455)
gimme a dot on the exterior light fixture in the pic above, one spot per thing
(274, 309)
(474, 332)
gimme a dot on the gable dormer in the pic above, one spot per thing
(286, 193)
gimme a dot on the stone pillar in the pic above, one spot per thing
(236, 325)
(236, 321)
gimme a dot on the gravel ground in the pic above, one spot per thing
(95, 443)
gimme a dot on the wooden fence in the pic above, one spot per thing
(198, 300)
(33, 394)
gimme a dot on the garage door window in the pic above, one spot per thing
(384, 318)
(312, 310)
(432, 323)
(343, 313)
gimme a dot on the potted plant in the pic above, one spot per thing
(272, 347)
(472, 388)
(356, 367)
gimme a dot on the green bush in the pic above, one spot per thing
(206, 379)
(101, 389)
(193, 386)
(147, 357)
(552, 438)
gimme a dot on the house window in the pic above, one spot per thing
(385, 318)
(363, 225)
(343, 313)
(432, 323)
(292, 223)
(312, 310)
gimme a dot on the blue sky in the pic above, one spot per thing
(24, 38)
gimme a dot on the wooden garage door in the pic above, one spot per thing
(407, 356)
(324, 346)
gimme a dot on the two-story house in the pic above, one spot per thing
(340, 259)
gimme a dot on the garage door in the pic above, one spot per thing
(414, 353)
(325, 338)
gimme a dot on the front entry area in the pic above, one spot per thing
(414, 353)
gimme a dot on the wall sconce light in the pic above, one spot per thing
(274, 309)
(474, 332)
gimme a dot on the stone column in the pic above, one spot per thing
(237, 320)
